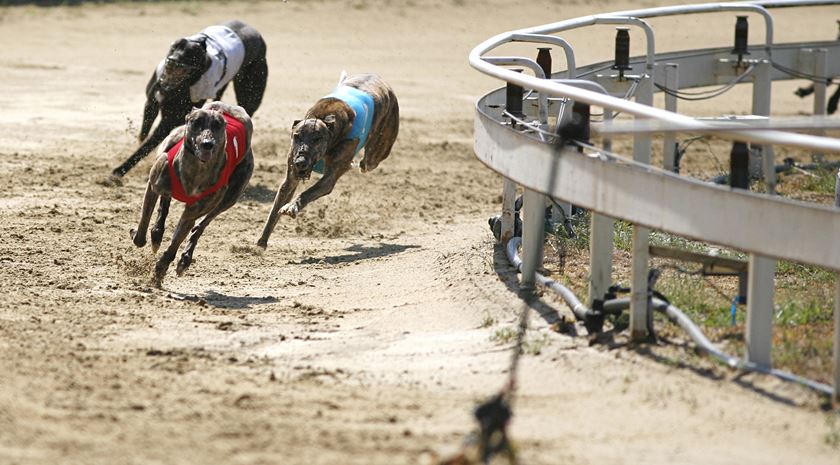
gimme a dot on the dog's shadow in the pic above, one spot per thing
(218, 300)
(259, 193)
(359, 252)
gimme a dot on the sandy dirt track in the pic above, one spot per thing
(363, 334)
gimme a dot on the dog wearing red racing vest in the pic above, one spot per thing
(206, 163)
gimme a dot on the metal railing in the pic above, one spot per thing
(526, 148)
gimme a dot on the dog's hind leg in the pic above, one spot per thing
(160, 223)
(238, 183)
(138, 236)
(192, 241)
(284, 194)
(379, 147)
(833, 101)
(185, 224)
(249, 85)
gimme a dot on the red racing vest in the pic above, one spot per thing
(234, 151)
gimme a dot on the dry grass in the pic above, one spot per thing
(804, 298)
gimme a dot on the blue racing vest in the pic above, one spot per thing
(362, 105)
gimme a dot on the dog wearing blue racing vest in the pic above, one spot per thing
(360, 114)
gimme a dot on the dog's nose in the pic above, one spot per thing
(207, 144)
(300, 163)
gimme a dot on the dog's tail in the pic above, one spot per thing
(342, 77)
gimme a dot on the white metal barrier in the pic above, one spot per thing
(521, 148)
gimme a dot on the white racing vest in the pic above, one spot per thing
(226, 52)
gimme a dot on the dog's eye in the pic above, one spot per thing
(215, 125)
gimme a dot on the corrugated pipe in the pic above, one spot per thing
(674, 314)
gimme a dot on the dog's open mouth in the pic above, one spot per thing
(204, 155)
(304, 174)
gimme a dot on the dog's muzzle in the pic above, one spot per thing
(303, 169)
(204, 149)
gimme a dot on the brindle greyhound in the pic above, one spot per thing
(205, 163)
(334, 130)
(196, 69)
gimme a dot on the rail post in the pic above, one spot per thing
(672, 75)
(836, 348)
(836, 345)
(759, 331)
(820, 56)
(508, 210)
(533, 220)
(601, 235)
(639, 299)
(761, 107)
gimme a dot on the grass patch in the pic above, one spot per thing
(504, 335)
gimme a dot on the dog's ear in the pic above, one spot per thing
(202, 40)
(297, 121)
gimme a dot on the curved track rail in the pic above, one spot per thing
(529, 148)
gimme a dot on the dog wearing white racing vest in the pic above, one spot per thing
(361, 113)
(196, 69)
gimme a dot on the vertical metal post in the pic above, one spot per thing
(559, 210)
(759, 332)
(508, 210)
(739, 161)
(533, 221)
(672, 80)
(544, 60)
(513, 98)
(513, 105)
(601, 237)
(820, 66)
(761, 107)
(837, 189)
(641, 235)
(836, 348)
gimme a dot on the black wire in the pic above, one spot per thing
(683, 96)
(811, 77)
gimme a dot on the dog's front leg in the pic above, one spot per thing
(185, 224)
(139, 235)
(335, 165)
(160, 223)
(284, 194)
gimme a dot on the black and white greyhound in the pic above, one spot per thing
(198, 68)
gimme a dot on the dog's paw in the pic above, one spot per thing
(183, 264)
(290, 209)
(112, 180)
(139, 240)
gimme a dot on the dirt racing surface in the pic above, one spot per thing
(371, 325)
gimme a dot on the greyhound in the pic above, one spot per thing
(362, 112)
(833, 101)
(196, 69)
(206, 163)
